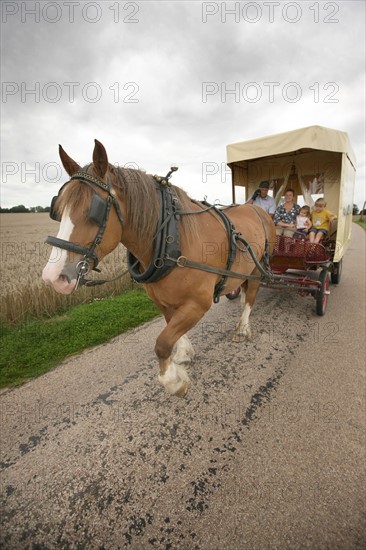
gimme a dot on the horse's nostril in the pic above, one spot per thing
(64, 277)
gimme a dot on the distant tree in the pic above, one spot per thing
(4, 210)
(19, 209)
(355, 210)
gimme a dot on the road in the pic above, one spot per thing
(265, 452)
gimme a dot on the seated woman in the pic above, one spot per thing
(285, 215)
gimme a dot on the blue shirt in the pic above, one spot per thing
(268, 204)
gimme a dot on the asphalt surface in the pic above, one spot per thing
(265, 452)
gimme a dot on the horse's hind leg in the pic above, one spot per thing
(173, 376)
(249, 291)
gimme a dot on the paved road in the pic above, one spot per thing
(266, 451)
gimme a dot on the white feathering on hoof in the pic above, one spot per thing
(174, 379)
(185, 352)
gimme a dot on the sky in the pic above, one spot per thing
(161, 83)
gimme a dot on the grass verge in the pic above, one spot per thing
(35, 346)
(362, 223)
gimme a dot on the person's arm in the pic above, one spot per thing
(253, 197)
(272, 209)
(284, 224)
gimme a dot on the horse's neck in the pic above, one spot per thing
(141, 250)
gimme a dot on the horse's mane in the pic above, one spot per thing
(138, 192)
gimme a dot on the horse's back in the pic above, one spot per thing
(252, 221)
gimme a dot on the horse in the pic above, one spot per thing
(182, 250)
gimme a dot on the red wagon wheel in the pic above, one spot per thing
(323, 292)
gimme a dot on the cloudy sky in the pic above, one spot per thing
(172, 82)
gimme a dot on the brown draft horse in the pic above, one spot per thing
(184, 294)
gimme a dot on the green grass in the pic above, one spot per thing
(34, 347)
(362, 223)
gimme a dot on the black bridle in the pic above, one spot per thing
(98, 214)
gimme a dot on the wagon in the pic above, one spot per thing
(314, 162)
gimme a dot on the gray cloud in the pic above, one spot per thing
(163, 61)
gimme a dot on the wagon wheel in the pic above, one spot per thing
(336, 274)
(233, 294)
(323, 292)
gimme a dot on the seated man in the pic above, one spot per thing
(261, 198)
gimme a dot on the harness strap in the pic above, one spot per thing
(89, 178)
(166, 240)
(89, 253)
(73, 247)
(266, 255)
(183, 261)
(230, 230)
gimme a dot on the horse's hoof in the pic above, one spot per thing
(183, 391)
(240, 338)
(175, 380)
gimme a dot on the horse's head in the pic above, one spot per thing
(91, 220)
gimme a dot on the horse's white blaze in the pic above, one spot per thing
(185, 351)
(57, 260)
(174, 379)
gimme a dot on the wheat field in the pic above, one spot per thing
(24, 254)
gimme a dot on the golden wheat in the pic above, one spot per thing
(23, 257)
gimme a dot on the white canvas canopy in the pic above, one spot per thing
(302, 139)
(313, 161)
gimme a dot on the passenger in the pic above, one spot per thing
(320, 219)
(261, 198)
(303, 223)
(285, 215)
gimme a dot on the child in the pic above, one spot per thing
(320, 219)
(303, 223)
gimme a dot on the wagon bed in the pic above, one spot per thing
(292, 253)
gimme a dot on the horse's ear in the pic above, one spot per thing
(100, 159)
(70, 165)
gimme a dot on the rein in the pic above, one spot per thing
(98, 213)
(166, 253)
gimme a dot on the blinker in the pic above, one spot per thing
(97, 210)
(54, 215)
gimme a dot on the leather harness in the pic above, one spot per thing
(166, 253)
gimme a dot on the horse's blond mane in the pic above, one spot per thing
(138, 192)
(140, 196)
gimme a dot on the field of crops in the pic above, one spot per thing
(23, 257)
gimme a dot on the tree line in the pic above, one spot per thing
(21, 209)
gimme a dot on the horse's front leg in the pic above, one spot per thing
(172, 375)
(184, 352)
(249, 291)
